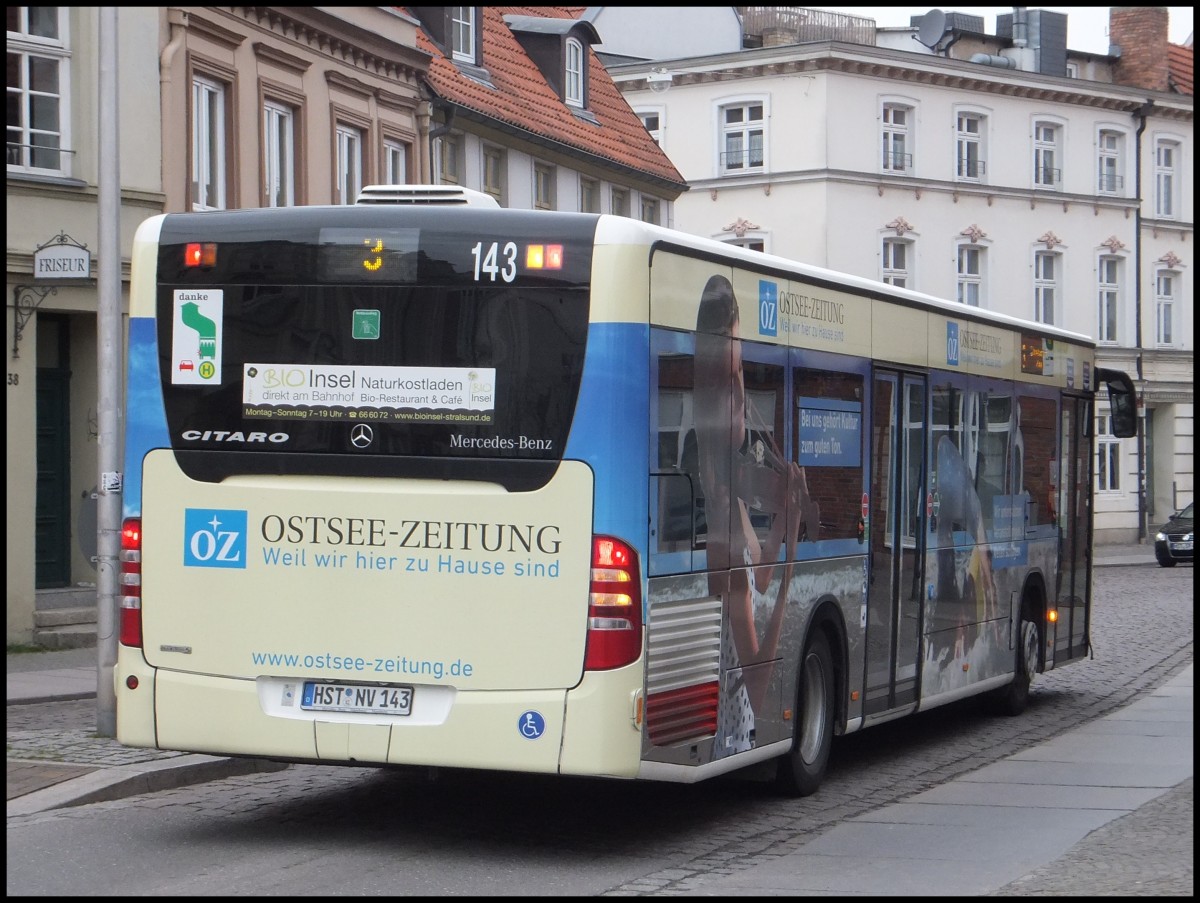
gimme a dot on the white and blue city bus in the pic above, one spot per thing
(450, 485)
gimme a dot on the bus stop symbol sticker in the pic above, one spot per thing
(531, 724)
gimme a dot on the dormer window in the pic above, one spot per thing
(559, 49)
(573, 82)
(462, 33)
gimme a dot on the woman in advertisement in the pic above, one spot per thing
(735, 475)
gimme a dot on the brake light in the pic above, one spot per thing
(131, 582)
(614, 606)
(197, 254)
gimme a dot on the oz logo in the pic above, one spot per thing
(952, 344)
(768, 308)
(214, 538)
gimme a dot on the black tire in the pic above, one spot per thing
(1014, 698)
(800, 771)
(1164, 559)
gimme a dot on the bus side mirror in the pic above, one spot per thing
(1123, 401)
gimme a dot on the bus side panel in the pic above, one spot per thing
(145, 420)
(691, 646)
(610, 430)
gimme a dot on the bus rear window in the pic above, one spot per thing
(432, 370)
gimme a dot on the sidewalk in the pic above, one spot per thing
(973, 835)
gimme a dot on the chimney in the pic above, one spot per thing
(1138, 36)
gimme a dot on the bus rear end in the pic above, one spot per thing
(355, 530)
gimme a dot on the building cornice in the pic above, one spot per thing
(333, 37)
(903, 67)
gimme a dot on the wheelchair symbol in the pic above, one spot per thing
(532, 725)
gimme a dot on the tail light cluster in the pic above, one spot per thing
(614, 634)
(131, 582)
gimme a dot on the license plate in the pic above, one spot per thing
(1181, 546)
(319, 697)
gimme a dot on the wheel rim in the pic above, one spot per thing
(1029, 648)
(812, 712)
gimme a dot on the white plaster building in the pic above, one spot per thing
(1000, 170)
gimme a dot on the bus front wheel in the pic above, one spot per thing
(800, 771)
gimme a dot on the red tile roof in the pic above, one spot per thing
(520, 97)
(1179, 68)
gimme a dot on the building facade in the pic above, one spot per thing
(1002, 171)
(52, 198)
(229, 107)
(218, 108)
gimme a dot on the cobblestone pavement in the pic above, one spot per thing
(48, 743)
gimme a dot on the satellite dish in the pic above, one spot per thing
(932, 28)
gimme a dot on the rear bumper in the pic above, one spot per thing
(589, 730)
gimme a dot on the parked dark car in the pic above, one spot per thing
(1173, 541)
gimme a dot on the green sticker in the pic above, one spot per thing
(366, 324)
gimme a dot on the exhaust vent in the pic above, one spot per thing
(443, 195)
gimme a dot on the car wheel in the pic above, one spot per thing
(800, 772)
(1164, 559)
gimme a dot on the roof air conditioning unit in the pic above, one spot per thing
(443, 195)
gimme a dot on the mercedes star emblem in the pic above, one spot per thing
(362, 435)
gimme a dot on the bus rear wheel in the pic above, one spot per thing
(800, 771)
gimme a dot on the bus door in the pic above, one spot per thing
(1074, 499)
(896, 524)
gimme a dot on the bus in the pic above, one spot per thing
(420, 481)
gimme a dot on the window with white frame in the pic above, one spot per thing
(897, 143)
(895, 267)
(969, 132)
(1164, 303)
(1108, 456)
(751, 244)
(1108, 294)
(39, 80)
(349, 163)
(462, 33)
(589, 195)
(970, 275)
(1045, 286)
(208, 144)
(573, 80)
(743, 137)
(1046, 172)
(1110, 177)
(395, 162)
(279, 154)
(1166, 179)
(544, 177)
(494, 169)
(652, 120)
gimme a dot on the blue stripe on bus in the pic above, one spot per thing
(145, 414)
(611, 428)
